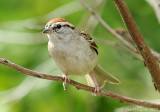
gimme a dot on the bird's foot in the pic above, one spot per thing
(65, 79)
(96, 91)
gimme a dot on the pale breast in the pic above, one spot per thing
(74, 58)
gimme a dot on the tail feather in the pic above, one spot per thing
(102, 76)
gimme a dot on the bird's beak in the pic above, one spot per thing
(48, 31)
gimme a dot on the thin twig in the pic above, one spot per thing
(140, 43)
(79, 85)
(114, 33)
(128, 37)
(125, 35)
(119, 46)
(144, 50)
(107, 27)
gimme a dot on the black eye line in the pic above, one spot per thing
(72, 27)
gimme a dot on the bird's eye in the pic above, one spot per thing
(58, 26)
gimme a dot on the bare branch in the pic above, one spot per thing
(140, 43)
(107, 27)
(125, 35)
(115, 33)
(80, 86)
(142, 47)
(128, 37)
(119, 46)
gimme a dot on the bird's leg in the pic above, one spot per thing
(96, 90)
(65, 78)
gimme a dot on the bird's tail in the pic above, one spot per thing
(101, 76)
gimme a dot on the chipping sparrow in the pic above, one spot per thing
(75, 53)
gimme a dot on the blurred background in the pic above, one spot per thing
(22, 42)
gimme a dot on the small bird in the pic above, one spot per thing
(75, 53)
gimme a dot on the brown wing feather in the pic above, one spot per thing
(90, 40)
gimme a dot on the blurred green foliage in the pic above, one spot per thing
(22, 43)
